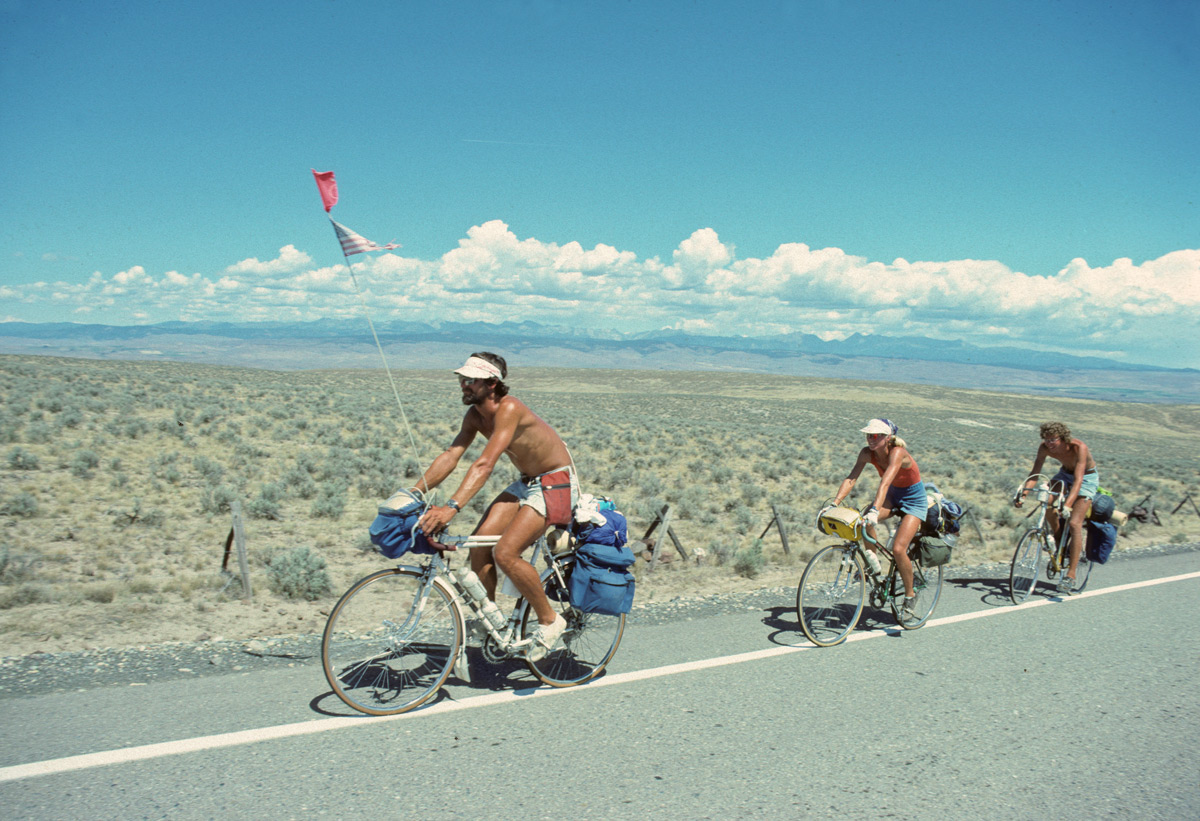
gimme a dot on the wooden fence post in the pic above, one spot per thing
(663, 519)
(777, 520)
(1186, 499)
(238, 538)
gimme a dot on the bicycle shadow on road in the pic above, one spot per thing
(993, 591)
(786, 630)
(509, 674)
(345, 711)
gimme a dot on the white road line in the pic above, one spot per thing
(191, 745)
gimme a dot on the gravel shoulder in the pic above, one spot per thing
(47, 673)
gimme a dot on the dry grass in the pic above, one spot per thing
(116, 477)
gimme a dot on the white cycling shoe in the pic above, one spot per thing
(544, 637)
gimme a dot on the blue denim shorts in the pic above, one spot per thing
(1091, 482)
(910, 500)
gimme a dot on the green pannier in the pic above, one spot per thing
(935, 550)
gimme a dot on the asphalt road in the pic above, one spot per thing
(1085, 708)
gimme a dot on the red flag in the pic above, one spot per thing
(353, 243)
(327, 185)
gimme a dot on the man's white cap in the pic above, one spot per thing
(878, 426)
(478, 368)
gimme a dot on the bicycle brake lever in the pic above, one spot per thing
(436, 545)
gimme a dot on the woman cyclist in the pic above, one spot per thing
(901, 492)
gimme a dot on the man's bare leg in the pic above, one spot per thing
(1078, 512)
(523, 531)
(498, 517)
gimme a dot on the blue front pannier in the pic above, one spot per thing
(392, 532)
(1101, 538)
(600, 580)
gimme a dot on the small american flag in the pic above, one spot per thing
(353, 243)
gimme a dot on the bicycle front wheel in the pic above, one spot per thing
(1026, 561)
(831, 594)
(587, 645)
(927, 589)
(391, 642)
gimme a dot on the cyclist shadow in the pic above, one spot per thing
(786, 630)
(993, 591)
(507, 674)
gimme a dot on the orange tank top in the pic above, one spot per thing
(905, 477)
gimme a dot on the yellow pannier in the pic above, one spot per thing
(845, 522)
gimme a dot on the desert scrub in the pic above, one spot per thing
(299, 573)
(21, 459)
(136, 516)
(15, 569)
(218, 499)
(266, 506)
(24, 594)
(83, 463)
(720, 551)
(23, 505)
(749, 561)
(330, 502)
(98, 592)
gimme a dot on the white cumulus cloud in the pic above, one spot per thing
(1141, 312)
(289, 259)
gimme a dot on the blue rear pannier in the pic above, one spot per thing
(392, 530)
(600, 580)
(1101, 538)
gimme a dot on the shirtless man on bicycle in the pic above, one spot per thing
(518, 515)
(1078, 474)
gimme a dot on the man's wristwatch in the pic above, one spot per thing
(453, 504)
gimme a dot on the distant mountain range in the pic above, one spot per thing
(348, 344)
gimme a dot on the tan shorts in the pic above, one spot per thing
(528, 490)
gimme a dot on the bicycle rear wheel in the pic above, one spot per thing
(587, 645)
(927, 589)
(1083, 570)
(1026, 560)
(391, 641)
(831, 594)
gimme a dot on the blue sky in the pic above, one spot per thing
(1020, 173)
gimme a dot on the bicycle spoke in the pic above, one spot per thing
(587, 645)
(390, 642)
(927, 589)
(1026, 560)
(831, 594)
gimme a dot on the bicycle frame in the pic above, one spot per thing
(881, 583)
(385, 654)
(1049, 498)
(439, 568)
(1057, 545)
(838, 579)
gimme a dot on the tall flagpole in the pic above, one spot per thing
(367, 313)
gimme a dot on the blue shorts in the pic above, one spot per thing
(1088, 488)
(910, 500)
